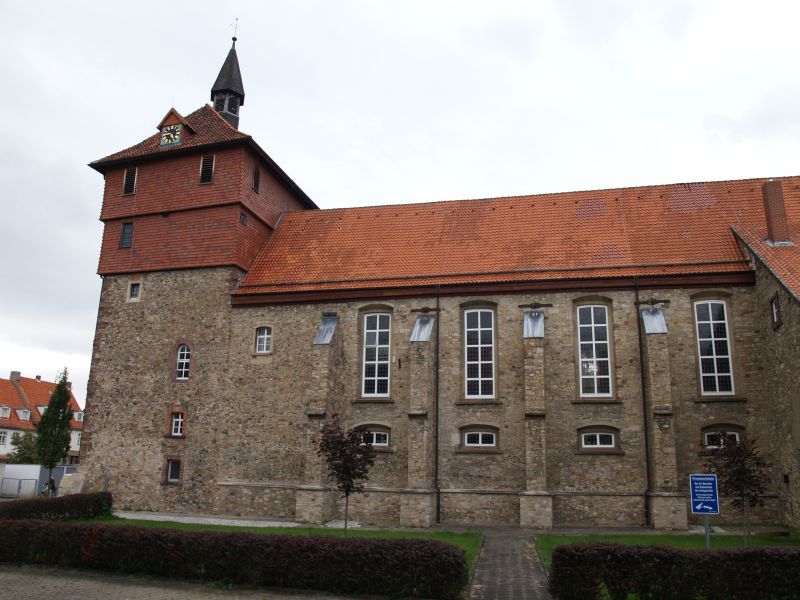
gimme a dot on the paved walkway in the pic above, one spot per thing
(508, 567)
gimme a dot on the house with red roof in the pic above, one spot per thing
(23, 400)
(540, 360)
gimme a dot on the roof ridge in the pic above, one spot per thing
(543, 195)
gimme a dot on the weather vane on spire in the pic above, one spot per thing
(235, 25)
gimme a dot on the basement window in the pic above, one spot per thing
(207, 169)
(126, 235)
(129, 181)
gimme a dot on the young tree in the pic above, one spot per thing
(741, 473)
(348, 459)
(52, 432)
(24, 452)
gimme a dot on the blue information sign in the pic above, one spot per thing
(705, 500)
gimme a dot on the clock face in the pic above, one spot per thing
(171, 134)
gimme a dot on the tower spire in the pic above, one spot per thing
(227, 93)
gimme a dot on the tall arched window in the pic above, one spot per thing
(184, 359)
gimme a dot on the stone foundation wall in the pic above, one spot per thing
(598, 511)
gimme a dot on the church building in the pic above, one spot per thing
(543, 360)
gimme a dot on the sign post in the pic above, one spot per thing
(705, 499)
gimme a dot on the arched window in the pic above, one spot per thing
(599, 439)
(184, 359)
(722, 434)
(479, 437)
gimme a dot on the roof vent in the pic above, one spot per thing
(38, 378)
(775, 212)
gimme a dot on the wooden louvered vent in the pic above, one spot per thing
(129, 182)
(207, 169)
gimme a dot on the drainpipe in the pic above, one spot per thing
(436, 412)
(645, 419)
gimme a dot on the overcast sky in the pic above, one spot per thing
(372, 102)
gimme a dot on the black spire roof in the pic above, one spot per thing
(229, 78)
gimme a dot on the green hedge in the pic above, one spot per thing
(391, 567)
(74, 506)
(581, 571)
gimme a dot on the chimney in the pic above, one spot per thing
(14, 376)
(38, 378)
(775, 212)
(69, 386)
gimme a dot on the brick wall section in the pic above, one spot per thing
(248, 451)
(781, 367)
(181, 223)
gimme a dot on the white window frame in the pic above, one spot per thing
(371, 437)
(480, 361)
(725, 433)
(714, 356)
(585, 436)
(3, 438)
(372, 354)
(5, 412)
(170, 462)
(486, 438)
(138, 286)
(79, 417)
(263, 340)
(589, 366)
(177, 420)
(183, 362)
(25, 415)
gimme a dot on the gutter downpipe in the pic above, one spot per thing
(436, 412)
(646, 421)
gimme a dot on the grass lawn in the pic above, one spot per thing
(469, 542)
(546, 542)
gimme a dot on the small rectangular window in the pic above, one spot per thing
(717, 439)
(129, 181)
(376, 354)
(423, 327)
(133, 290)
(24, 415)
(775, 311)
(177, 424)
(716, 373)
(173, 471)
(126, 235)
(597, 440)
(327, 327)
(5, 412)
(376, 438)
(479, 353)
(595, 362)
(480, 439)
(79, 417)
(207, 169)
(3, 436)
(256, 178)
(263, 340)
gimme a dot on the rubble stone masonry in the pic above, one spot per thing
(252, 420)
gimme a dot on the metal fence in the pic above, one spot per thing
(11, 487)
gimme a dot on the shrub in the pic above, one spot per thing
(393, 567)
(580, 571)
(75, 506)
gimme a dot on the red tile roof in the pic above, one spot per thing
(783, 261)
(678, 229)
(210, 128)
(10, 397)
(38, 394)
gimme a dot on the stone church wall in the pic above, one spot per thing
(252, 419)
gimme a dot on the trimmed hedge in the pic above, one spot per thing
(393, 567)
(74, 506)
(581, 571)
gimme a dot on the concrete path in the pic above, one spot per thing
(508, 567)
